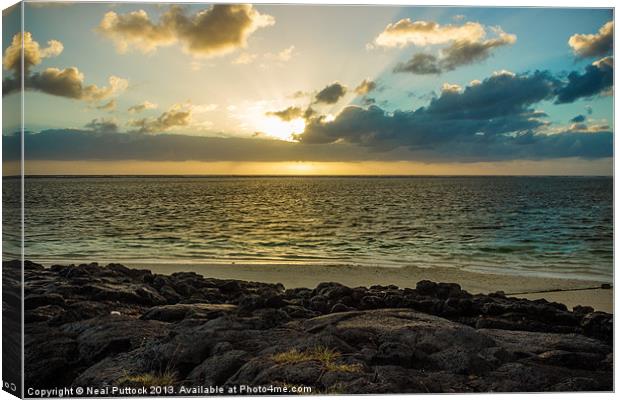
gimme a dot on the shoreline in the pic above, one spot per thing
(571, 292)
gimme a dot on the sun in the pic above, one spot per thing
(279, 129)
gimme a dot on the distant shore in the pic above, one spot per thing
(571, 292)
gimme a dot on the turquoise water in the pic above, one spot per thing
(545, 226)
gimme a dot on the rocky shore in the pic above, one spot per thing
(93, 326)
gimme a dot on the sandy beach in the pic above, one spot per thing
(570, 292)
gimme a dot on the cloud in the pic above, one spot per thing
(286, 54)
(365, 87)
(499, 105)
(594, 45)
(584, 127)
(597, 79)
(578, 118)
(420, 64)
(70, 144)
(177, 116)
(330, 94)
(245, 58)
(217, 30)
(102, 125)
(145, 105)
(464, 52)
(461, 52)
(33, 53)
(109, 106)
(287, 114)
(424, 33)
(67, 82)
(282, 56)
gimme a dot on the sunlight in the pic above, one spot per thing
(278, 129)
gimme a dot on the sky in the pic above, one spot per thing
(280, 89)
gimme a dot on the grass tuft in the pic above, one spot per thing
(327, 357)
(148, 379)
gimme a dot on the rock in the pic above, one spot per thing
(217, 369)
(50, 357)
(230, 287)
(251, 302)
(332, 290)
(109, 371)
(394, 353)
(574, 360)
(598, 325)
(299, 312)
(530, 343)
(89, 325)
(177, 312)
(426, 288)
(45, 313)
(101, 337)
(578, 384)
(34, 301)
(605, 286)
(339, 307)
(583, 310)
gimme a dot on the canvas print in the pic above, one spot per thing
(247, 199)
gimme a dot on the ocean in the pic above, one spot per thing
(541, 226)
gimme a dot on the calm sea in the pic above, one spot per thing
(546, 226)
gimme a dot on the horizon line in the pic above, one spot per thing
(305, 175)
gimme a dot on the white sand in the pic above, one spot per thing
(560, 290)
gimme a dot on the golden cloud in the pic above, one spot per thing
(594, 45)
(215, 31)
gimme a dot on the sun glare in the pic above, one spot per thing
(278, 129)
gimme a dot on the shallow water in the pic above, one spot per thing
(546, 226)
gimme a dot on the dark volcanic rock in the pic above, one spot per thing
(90, 325)
(177, 312)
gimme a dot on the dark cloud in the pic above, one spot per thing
(67, 82)
(69, 145)
(102, 125)
(578, 118)
(365, 87)
(287, 114)
(459, 53)
(217, 30)
(594, 45)
(331, 93)
(176, 116)
(420, 64)
(598, 78)
(463, 52)
(492, 119)
(499, 105)
(368, 100)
